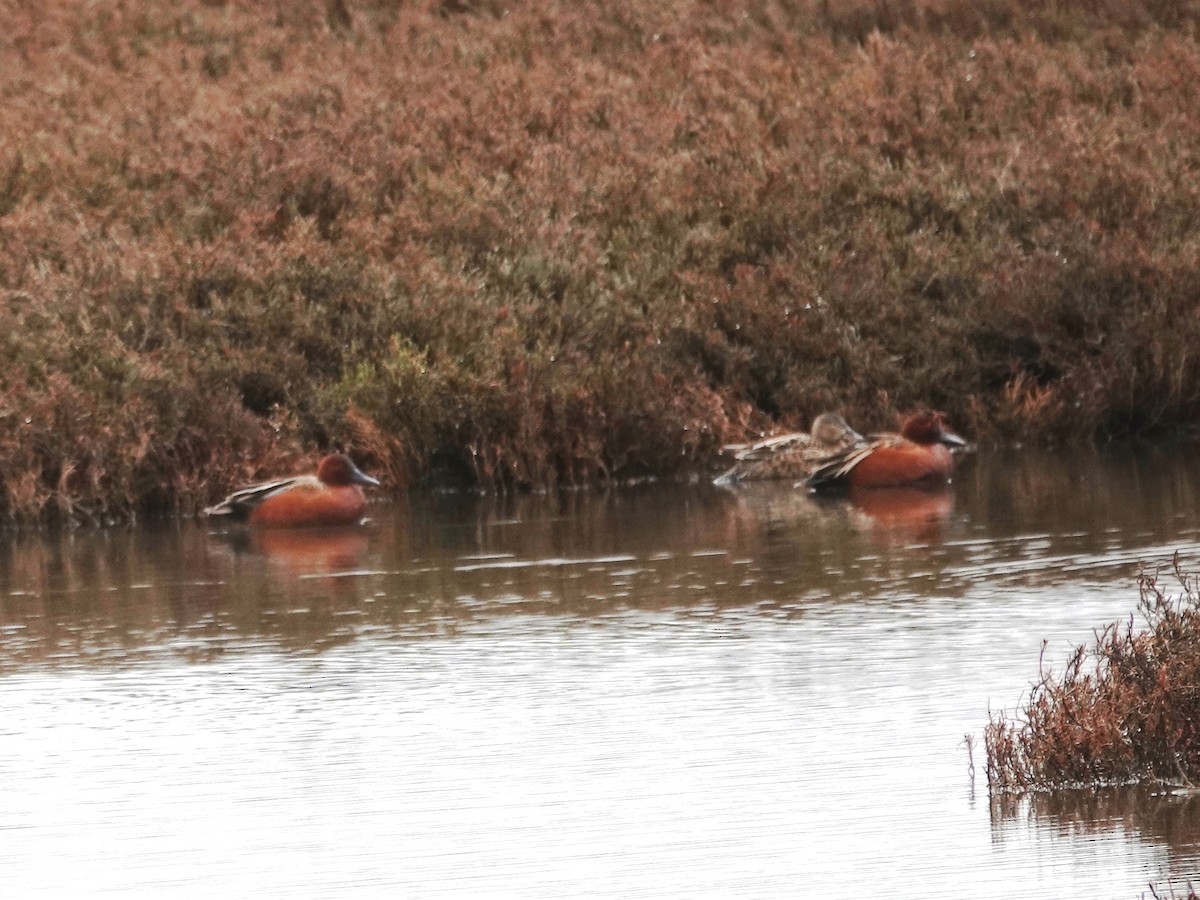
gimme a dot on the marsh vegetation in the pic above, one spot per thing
(1124, 709)
(521, 244)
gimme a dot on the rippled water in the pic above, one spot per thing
(656, 691)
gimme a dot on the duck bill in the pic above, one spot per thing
(358, 476)
(950, 439)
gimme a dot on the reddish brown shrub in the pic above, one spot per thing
(1126, 709)
(553, 243)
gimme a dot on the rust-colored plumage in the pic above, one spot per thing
(919, 454)
(333, 496)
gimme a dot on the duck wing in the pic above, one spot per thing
(242, 502)
(774, 457)
(769, 447)
(834, 468)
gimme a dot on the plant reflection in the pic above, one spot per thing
(1156, 813)
(438, 563)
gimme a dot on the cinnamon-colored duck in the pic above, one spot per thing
(918, 455)
(333, 496)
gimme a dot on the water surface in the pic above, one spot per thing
(654, 691)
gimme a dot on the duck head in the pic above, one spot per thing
(929, 427)
(338, 470)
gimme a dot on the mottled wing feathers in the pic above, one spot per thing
(769, 447)
(837, 467)
(242, 502)
(792, 456)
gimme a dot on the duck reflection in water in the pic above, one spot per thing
(769, 512)
(903, 514)
(323, 549)
(301, 550)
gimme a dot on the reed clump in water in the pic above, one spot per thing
(1170, 892)
(1125, 709)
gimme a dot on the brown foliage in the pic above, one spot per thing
(552, 242)
(1126, 709)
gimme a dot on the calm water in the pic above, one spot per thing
(659, 691)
